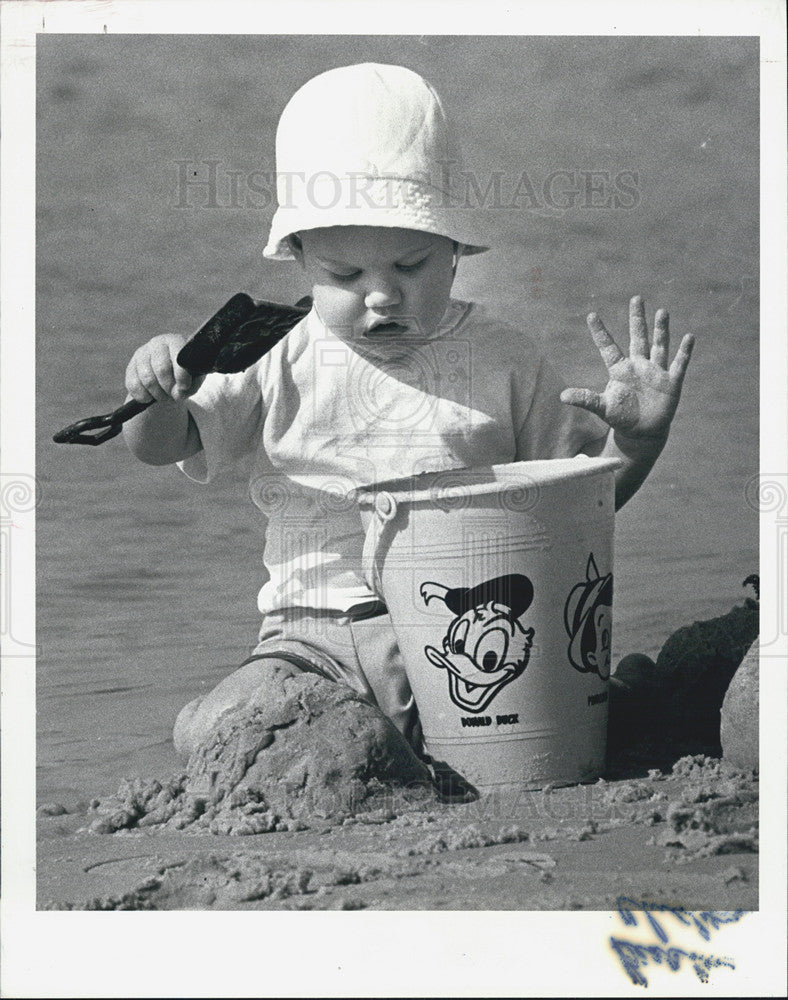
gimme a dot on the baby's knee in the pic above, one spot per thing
(182, 731)
(197, 720)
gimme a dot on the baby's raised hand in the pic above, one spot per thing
(154, 373)
(642, 394)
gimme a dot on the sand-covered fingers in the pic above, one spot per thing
(638, 328)
(661, 340)
(608, 348)
(678, 368)
(587, 399)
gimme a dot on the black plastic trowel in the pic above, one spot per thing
(240, 333)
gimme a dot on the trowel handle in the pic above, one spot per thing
(78, 433)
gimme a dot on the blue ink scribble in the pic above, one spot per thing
(701, 921)
(635, 956)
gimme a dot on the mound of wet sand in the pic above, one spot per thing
(739, 723)
(304, 748)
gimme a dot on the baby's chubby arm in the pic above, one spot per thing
(166, 432)
(640, 398)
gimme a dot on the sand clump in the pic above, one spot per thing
(739, 724)
(715, 812)
(702, 806)
(467, 837)
(303, 749)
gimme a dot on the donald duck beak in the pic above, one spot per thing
(470, 687)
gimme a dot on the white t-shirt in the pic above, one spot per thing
(318, 416)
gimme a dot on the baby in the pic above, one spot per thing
(387, 376)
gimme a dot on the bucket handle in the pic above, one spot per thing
(377, 530)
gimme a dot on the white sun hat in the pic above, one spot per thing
(370, 145)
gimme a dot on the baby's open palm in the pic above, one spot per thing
(642, 393)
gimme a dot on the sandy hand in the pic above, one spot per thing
(154, 373)
(642, 393)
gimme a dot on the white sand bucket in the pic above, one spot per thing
(499, 585)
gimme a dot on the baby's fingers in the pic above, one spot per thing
(141, 382)
(158, 370)
(607, 347)
(638, 329)
(678, 369)
(183, 383)
(661, 342)
(587, 399)
(151, 373)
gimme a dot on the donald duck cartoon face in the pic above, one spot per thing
(485, 647)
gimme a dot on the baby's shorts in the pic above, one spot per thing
(360, 651)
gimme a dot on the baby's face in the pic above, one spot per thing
(373, 281)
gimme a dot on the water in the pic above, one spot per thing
(147, 582)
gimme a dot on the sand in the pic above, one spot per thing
(739, 722)
(570, 848)
(282, 809)
(304, 749)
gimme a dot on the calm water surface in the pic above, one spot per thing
(146, 581)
